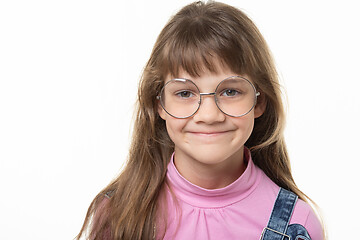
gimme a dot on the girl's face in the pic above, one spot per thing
(209, 138)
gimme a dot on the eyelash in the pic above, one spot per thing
(224, 92)
(178, 93)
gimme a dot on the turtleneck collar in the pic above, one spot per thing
(215, 198)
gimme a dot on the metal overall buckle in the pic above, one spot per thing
(267, 228)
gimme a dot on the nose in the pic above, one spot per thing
(208, 111)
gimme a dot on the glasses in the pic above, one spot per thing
(234, 96)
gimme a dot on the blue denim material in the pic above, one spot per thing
(278, 227)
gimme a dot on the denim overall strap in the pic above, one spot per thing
(280, 216)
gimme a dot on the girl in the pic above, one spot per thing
(208, 158)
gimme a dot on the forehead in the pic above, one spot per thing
(206, 73)
(194, 62)
(216, 68)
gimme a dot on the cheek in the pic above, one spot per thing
(175, 127)
(245, 124)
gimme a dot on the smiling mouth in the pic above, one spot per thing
(209, 134)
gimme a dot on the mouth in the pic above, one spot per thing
(209, 134)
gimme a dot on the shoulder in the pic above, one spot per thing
(304, 214)
(100, 225)
(102, 208)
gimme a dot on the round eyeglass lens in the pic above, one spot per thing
(235, 96)
(180, 98)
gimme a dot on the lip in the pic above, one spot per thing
(208, 134)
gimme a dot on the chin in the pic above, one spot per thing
(212, 156)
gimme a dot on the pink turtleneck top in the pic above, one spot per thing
(240, 210)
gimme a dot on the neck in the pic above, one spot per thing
(211, 176)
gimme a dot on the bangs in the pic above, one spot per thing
(199, 45)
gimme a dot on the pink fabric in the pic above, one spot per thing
(239, 211)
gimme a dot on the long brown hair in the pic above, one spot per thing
(193, 39)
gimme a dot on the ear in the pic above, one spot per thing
(260, 106)
(160, 110)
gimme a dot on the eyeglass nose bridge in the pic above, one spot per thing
(211, 93)
(208, 94)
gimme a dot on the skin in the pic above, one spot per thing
(209, 146)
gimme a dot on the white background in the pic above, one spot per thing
(68, 78)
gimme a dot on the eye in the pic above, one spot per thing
(184, 94)
(229, 92)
